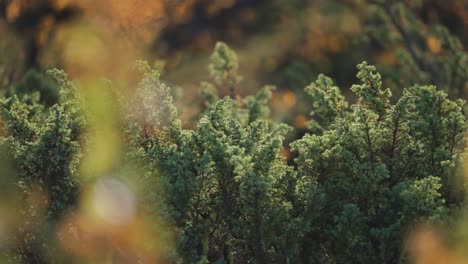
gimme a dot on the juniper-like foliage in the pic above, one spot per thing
(369, 172)
(375, 169)
(225, 183)
(223, 68)
(43, 144)
(364, 176)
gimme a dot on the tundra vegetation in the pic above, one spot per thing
(372, 164)
(366, 173)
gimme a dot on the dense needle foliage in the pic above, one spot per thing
(375, 169)
(43, 144)
(367, 172)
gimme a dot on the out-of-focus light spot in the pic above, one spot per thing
(104, 149)
(133, 15)
(336, 42)
(434, 45)
(84, 49)
(13, 10)
(183, 11)
(300, 121)
(387, 57)
(113, 201)
(350, 24)
(289, 99)
(426, 247)
(61, 4)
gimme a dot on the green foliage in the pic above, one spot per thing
(151, 110)
(44, 146)
(427, 53)
(298, 75)
(370, 92)
(225, 183)
(35, 84)
(380, 168)
(366, 174)
(223, 67)
(364, 177)
(328, 103)
(257, 104)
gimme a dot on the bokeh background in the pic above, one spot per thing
(284, 43)
(278, 42)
